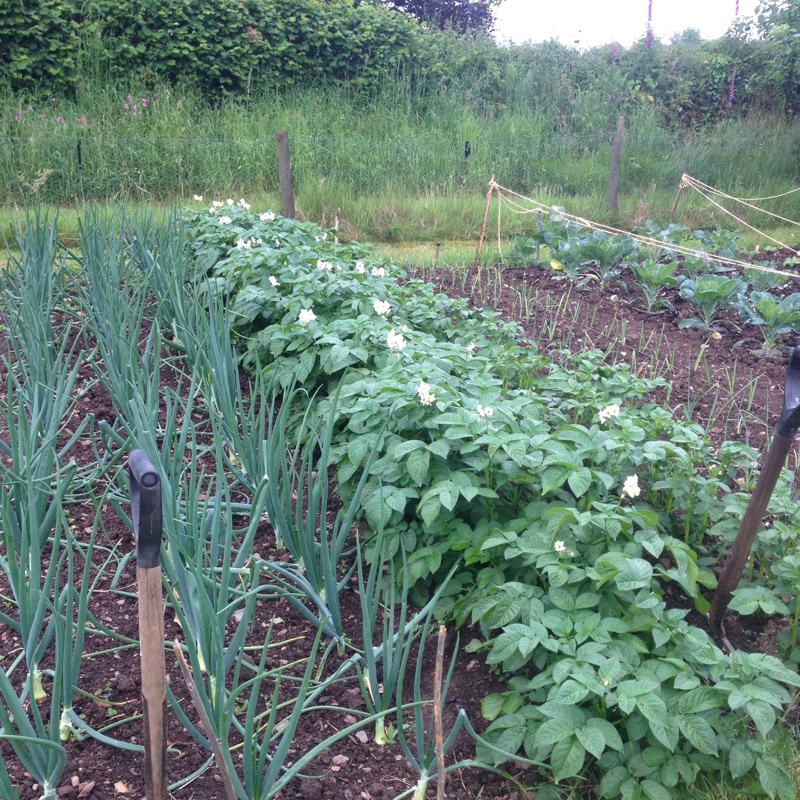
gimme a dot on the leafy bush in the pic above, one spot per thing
(226, 46)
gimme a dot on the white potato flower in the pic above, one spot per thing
(306, 315)
(382, 308)
(425, 395)
(606, 413)
(631, 486)
(396, 341)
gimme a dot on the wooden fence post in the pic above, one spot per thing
(285, 174)
(677, 198)
(616, 156)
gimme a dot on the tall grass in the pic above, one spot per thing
(371, 160)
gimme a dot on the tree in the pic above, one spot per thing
(777, 23)
(464, 16)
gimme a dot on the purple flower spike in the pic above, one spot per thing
(126, 106)
(615, 50)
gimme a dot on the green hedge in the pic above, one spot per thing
(246, 47)
(225, 46)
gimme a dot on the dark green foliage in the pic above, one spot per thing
(777, 25)
(38, 41)
(464, 16)
(243, 47)
(226, 46)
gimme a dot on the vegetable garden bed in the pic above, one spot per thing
(531, 458)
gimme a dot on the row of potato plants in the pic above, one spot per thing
(568, 503)
(756, 294)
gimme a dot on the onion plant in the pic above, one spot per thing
(240, 419)
(425, 750)
(36, 743)
(71, 620)
(210, 574)
(203, 333)
(268, 733)
(35, 481)
(25, 551)
(384, 610)
(213, 588)
(297, 505)
(164, 262)
(41, 380)
(115, 309)
(6, 787)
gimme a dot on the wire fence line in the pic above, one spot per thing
(58, 166)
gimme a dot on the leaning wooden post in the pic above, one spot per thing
(774, 461)
(285, 174)
(616, 157)
(145, 486)
(682, 186)
(485, 220)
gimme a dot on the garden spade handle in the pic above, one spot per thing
(145, 486)
(773, 464)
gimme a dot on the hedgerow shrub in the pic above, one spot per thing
(224, 46)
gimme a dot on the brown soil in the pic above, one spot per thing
(724, 384)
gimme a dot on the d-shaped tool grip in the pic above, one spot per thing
(145, 485)
(790, 416)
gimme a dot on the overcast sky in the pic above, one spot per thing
(589, 23)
